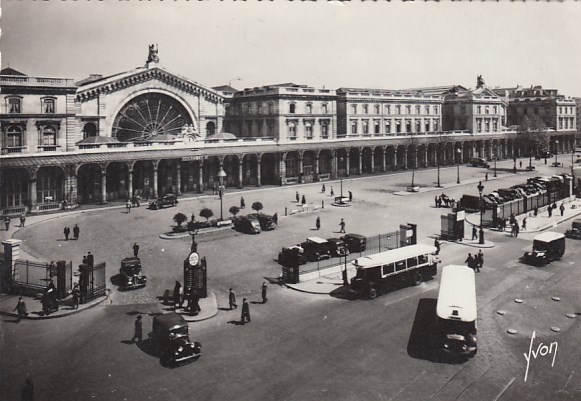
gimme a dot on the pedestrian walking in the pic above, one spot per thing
(562, 209)
(486, 176)
(22, 219)
(550, 211)
(437, 245)
(474, 233)
(136, 250)
(524, 224)
(470, 261)
(535, 211)
(232, 299)
(242, 203)
(479, 260)
(439, 201)
(138, 332)
(194, 303)
(245, 312)
(332, 192)
(128, 206)
(520, 164)
(342, 226)
(90, 259)
(323, 188)
(264, 299)
(76, 232)
(318, 223)
(303, 200)
(350, 195)
(7, 222)
(67, 231)
(21, 309)
(516, 229)
(297, 197)
(176, 295)
(75, 293)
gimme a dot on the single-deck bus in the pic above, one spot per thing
(456, 311)
(377, 272)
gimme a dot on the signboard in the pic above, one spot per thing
(146, 181)
(460, 215)
(194, 259)
(193, 158)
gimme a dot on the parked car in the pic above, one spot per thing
(355, 242)
(547, 247)
(575, 231)
(338, 247)
(163, 201)
(292, 256)
(266, 221)
(479, 162)
(316, 249)
(170, 340)
(247, 224)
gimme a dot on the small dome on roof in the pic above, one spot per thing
(222, 135)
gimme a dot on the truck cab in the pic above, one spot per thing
(170, 340)
(316, 248)
(547, 247)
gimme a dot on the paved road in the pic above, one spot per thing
(298, 346)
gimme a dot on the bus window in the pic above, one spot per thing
(388, 269)
(412, 262)
(422, 259)
(399, 266)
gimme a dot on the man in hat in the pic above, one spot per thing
(245, 312)
(264, 299)
(232, 299)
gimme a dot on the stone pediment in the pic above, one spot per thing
(128, 79)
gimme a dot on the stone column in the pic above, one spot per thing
(360, 166)
(258, 170)
(394, 165)
(334, 165)
(348, 164)
(301, 167)
(405, 159)
(201, 176)
(104, 186)
(282, 169)
(317, 171)
(8, 273)
(179, 177)
(130, 183)
(425, 157)
(32, 193)
(373, 161)
(155, 194)
(384, 161)
(240, 171)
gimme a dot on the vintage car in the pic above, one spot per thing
(355, 242)
(316, 249)
(338, 247)
(547, 247)
(292, 256)
(478, 162)
(163, 201)
(247, 224)
(131, 273)
(575, 231)
(266, 221)
(170, 340)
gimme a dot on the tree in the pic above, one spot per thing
(441, 141)
(206, 213)
(532, 136)
(180, 218)
(234, 210)
(413, 143)
(257, 206)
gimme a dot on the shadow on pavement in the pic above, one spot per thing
(117, 280)
(421, 344)
(236, 323)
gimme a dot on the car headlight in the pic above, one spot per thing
(180, 349)
(176, 354)
(446, 346)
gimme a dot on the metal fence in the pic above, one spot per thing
(92, 282)
(375, 244)
(31, 277)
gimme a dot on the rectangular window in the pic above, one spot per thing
(412, 262)
(478, 109)
(399, 266)
(388, 269)
(388, 127)
(418, 110)
(435, 109)
(427, 126)
(486, 110)
(418, 126)
(487, 125)
(48, 106)
(292, 108)
(365, 109)
(398, 126)
(309, 131)
(324, 130)
(427, 109)
(354, 108)
(423, 259)
(309, 109)
(324, 108)
(376, 109)
(478, 124)
(398, 109)
(292, 130)
(408, 109)
(270, 108)
(387, 109)
(14, 106)
(495, 109)
(365, 127)
(495, 124)
(436, 125)
(376, 127)
(354, 127)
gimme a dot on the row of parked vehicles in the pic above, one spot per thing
(255, 223)
(316, 248)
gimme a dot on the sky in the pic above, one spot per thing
(386, 45)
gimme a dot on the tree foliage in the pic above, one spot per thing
(206, 213)
(234, 210)
(257, 206)
(532, 136)
(180, 218)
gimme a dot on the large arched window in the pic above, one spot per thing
(89, 130)
(13, 137)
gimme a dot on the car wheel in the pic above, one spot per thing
(417, 279)
(372, 293)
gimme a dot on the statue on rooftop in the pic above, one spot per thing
(480, 82)
(153, 57)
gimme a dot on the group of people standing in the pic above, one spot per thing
(475, 262)
(180, 296)
(76, 232)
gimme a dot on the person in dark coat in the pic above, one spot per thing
(350, 196)
(318, 223)
(7, 222)
(245, 312)
(342, 226)
(332, 192)
(176, 294)
(323, 188)
(303, 200)
(76, 232)
(264, 299)
(469, 261)
(437, 245)
(76, 294)
(21, 309)
(232, 299)
(135, 250)
(67, 231)
(562, 209)
(474, 233)
(242, 203)
(536, 211)
(550, 211)
(138, 333)
(297, 197)
(22, 219)
(436, 200)
(479, 260)
(195, 306)
(90, 259)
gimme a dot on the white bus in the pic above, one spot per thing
(378, 272)
(456, 311)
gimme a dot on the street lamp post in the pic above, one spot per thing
(556, 152)
(221, 176)
(341, 179)
(481, 204)
(495, 165)
(458, 152)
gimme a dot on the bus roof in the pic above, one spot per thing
(457, 295)
(394, 255)
(317, 240)
(549, 236)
